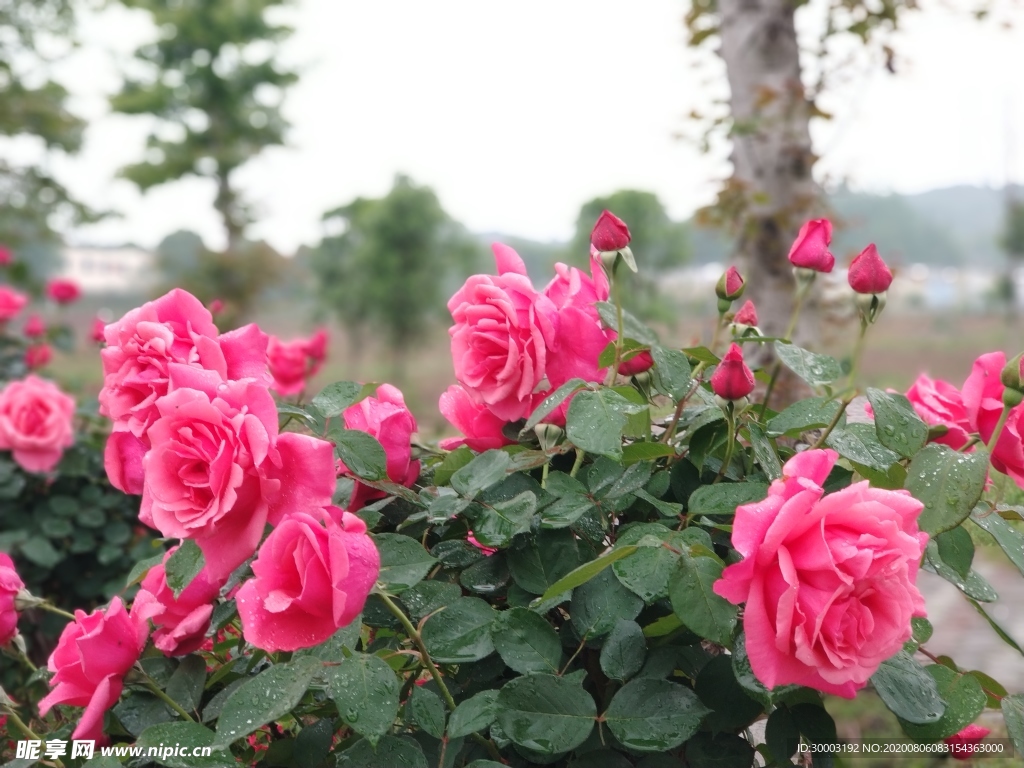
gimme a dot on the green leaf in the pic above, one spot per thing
(949, 483)
(361, 452)
(403, 561)
(858, 443)
(365, 691)
(781, 735)
(908, 690)
(333, 399)
(270, 695)
(473, 715)
(764, 452)
(1003, 634)
(974, 586)
(665, 508)
(192, 734)
(41, 552)
(183, 566)
(313, 744)
(565, 511)
(897, 424)
(596, 419)
(526, 642)
(956, 550)
(672, 372)
(332, 649)
(551, 402)
(964, 699)
(495, 524)
(722, 499)
(487, 576)
(813, 368)
(1013, 715)
(544, 713)
(186, 684)
(586, 572)
(624, 651)
(1009, 539)
(141, 568)
(631, 327)
(461, 632)
(484, 471)
(390, 751)
(803, 415)
(598, 604)
(732, 707)
(635, 452)
(647, 571)
(544, 560)
(451, 464)
(723, 750)
(428, 710)
(651, 715)
(696, 604)
(427, 596)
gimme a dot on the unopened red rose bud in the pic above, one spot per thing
(747, 314)
(730, 285)
(810, 249)
(732, 379)
(610, 233)
(869, 273)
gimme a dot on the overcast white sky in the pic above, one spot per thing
(516, 113)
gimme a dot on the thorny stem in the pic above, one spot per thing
(730, 416)
(618, 321)
(572, 658)
(435, 673)
(671, 429)
(858, 349)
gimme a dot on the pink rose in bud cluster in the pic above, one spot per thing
(732, 379)
(141, 347)
(963, 745)
(181, 622)
(868, 273)
(218, 471)
(312, 576)
(98, 332)
(11, 303)
(982, 397)
(34, 327)
(810, 249)
(6, 256)
(829, 582)
(293, 363)
(63, 291)
(10, 585)
(636, 364)
(513, 345)
(386, 418)
(939, 403)
(216, 307)
(38, 356)
(36, 423)
(610, 233)
(747, 314)
(482, 429)
(93, 655)
(730, 285)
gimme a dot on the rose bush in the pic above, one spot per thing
(626, 559)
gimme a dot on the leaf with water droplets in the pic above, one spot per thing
(651, 715)
(858, 443)
(403, 561)
(596, 419)
(1009, 539)
(813, 368)
(192, 734)
(461, 632)
(547, 714)
(472, 715)
(428, 710)
(392, 751)
(948, 483)
(896, 422)
(974, 585)
(964, 699)
(365, 690)
(907, 690)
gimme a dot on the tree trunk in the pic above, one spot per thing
(227, 206)
(771, 188)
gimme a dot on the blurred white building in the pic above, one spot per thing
(110, 270)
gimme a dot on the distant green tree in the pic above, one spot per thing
(1013, 233)
(391, 266)
(659, 244)
(211, 81)
(32, 201)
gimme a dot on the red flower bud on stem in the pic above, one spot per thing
(868, 273)
(732, 379)
(610, 233)
(730, 285)
(810, 249)
(747, 314)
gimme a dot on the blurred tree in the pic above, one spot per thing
(1012, 242)
(211, 81)
(33, 204)
(391, 265)
(659, 243)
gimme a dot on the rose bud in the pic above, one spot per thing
(6, 256)
(98, 333)
(636, 364)
(810, 249)
(35, 327)
(1012, 375)
(62, 290)
(747, 314)
(963, 745)
(730, 285)
(732, 379)
(216, 307)
(38, 356)
(868, 273)
(610, 233)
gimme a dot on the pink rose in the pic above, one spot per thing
(982, 397)
(730, 285)
(218, 472)
(482, 429)
(34, 326)
(181, 622)
(292, 363)
(501, 337)
(94, 653)
(732, 379)
(964, 744)
(10, 585)
(487, 551)
(98, 332)
(610, 233)
(829, 583)
(11, 303)
(62, 290)
(36, 423)
(386, 418)
(810, 249)
(747, 314)
(176, 328)
(868, 273)
(938, 402)
(6, 256)
(636, 364)
(38, 356)
(316, 348)
(312, 577)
